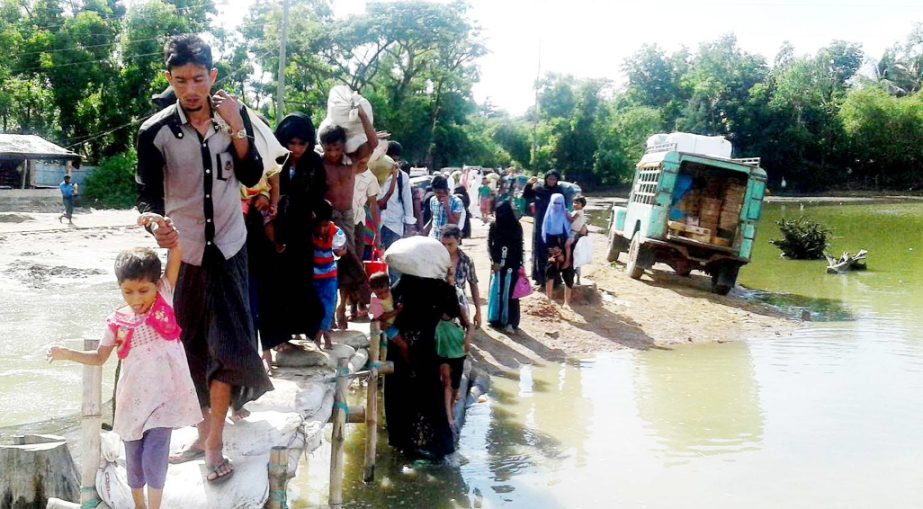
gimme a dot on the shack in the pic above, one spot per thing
(28, 161)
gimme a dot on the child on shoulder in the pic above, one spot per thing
(155, 391)
(453, 340)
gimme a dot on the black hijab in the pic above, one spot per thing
(507, 226)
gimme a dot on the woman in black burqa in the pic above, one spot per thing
(288, 302)
(540, 196)
(504, 245)
(414, 396)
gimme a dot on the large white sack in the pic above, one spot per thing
(419, 256)
(342, 110)
(583, 252)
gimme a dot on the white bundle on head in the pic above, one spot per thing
(343, 110)
(419, 256)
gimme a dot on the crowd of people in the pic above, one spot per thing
(261, 253)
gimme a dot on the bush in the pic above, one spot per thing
(112, 184)
(803, 239)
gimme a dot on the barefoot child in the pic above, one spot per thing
(383, 310)
(329, 243)
(452, 344)
(155, 391)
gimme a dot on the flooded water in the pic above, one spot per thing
(828, 417)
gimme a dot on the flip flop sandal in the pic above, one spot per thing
(186, 455)
(220, 478)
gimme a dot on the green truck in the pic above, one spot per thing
(691, 211)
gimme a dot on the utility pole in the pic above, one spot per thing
(538, 76)
(283, 40)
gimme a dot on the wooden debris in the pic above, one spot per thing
(846, 262)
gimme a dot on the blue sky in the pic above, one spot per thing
(591, 38)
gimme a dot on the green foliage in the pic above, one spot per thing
(82, 74)
(802, 239)
(112, 184)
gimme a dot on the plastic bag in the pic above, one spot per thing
(522, 288)
(583, 252)
(419, 256)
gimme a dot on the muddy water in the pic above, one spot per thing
(829, 417)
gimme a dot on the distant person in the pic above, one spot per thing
(191, 169)
(504, 245)
(484, 199)
(68, 191)
(540, 197)
(444, 208)
(155, 390)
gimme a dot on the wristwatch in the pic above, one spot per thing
(240, 135)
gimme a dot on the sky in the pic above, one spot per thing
(592, 38)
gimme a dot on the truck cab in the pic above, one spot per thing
(692, 211)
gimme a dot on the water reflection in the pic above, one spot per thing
(700, 400)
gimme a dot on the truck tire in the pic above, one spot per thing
(634, 267)
(724, 278)
(613, 254)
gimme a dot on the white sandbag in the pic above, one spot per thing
(353, 338)
(419, 256)
(342, 110)
(298, 358)
(583, 252)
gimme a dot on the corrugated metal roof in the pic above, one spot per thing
(29, 146)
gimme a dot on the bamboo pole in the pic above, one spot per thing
(337, 436)
(91, 421)
(278, 478)
(371, 403)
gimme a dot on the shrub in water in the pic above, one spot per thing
(112, 184)
(802, 239)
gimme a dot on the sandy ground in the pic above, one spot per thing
(659, 310)
(617, 312)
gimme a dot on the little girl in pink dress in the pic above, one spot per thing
(155, 392)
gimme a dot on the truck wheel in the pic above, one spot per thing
(634, 267)
(614, 251)
(682, 268)
(724, 278)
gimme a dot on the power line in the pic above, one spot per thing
(70, 48)
(142, 119)
(67, 64)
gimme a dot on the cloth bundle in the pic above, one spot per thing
(419, 256)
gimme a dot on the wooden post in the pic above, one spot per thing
(91, 421)
(337, 436)
(371, 403)
(278, 478)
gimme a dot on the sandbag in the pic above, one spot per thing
(583, 252)
(353, 338)
(298, 358)
(419, 256)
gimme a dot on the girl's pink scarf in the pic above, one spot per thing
(160, 318)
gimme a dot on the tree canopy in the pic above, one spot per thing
(82, 73)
